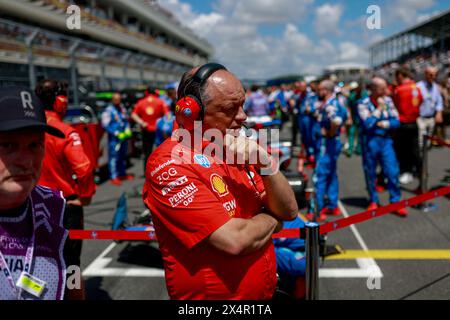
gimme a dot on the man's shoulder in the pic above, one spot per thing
(364, 100)
(62, 126)
(138, 104)
(334, 101)
(403, 88)
(48, 204)
(109, 109)
(163, 156)
(172, 154)
(47, 193)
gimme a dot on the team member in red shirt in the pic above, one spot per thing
(407, 99)
(66, 167)
(214, 221)
(145, 113)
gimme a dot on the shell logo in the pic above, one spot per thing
(218, 185)
(149, 111)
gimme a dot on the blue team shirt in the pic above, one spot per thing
(369, 117)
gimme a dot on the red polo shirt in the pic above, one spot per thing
(65, 159)
(189, 201)
(150, 109)
(407, 99)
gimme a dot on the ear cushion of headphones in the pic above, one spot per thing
(187, 110)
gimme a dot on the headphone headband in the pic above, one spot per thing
(205, 71)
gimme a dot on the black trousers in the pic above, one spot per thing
(73, 219)
(148, 139)
(406, 145)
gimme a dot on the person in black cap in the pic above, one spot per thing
(66, 166)
(31, 231)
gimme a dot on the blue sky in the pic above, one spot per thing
(266, 38)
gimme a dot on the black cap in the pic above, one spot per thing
(21, 108)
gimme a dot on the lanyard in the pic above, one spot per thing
(429, 91)
(28, 260)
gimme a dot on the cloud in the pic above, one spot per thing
(327, 18)
(203, 23)
(304, 37)
(349, 51)
(406, 11)
(426, 16)
(298, 42)
(269, 11)
(239, 44)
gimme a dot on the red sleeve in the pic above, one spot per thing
(184, 204)
(79, 163)
(137, 107)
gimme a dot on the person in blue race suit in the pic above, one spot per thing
(115, 122)
(331, 115)
(378, 117)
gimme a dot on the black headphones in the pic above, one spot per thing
(190, 107)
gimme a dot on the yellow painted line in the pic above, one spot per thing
(405, 254)
(302, 217)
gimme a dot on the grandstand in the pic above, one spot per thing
(346, 71)
(120, 44)
(425, 43)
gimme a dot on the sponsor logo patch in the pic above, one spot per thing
(161, 166)
(166, 175)
(202, 160)
(218, 185)
(76, 140)
(230, 206)
(179, 182)
(187, 112)
(185, 196)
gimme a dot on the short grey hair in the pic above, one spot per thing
(328, 85)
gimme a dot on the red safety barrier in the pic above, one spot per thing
(111, 235)
(285, 233)
(366, 215)
(439, 141)
(149, 235)
(288, 233)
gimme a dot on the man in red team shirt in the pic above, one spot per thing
(66, 166)
(407, 99)
(214, 221)
(145, 113)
